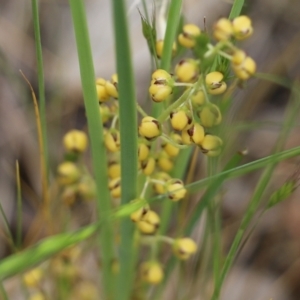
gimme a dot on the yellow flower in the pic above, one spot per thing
(33, 277)
(112, 140)
(114, 186)
(75, 141)
(242, 27)
(180, 119)
(210, 115)
(187, 37)
(101, 90)
(196, 133)
(152, 272)
(215, 84)
(68, 173)
(159, 46)
(175, 189)
(160, 182)
(148, 223)
(183, 248)
(211, 145)
(149, 128)
(148, 166)
(223, 30)
(112, 86)
(187, 70)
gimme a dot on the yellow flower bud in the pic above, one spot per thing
(114, 170)
(159, 91)
(75, 141)
(198, 98)
(37, 296)
(187, 70)
(246, 69)
(187, 38)
(112, 140)
(114, 186)
(175, 189)
(210, 115)
(143, 151)
(160, 46)
(170, 149)
(149, 222)
(101, 90)
(211, 145)
(186, 139)
(87, 188)
(180, 119)
(67, 173)
(214, 83)
(148, 166)
(223, 30)
(196, 133)
(33, 277)
(105, 113)
(183, 248)
(140, 213)
(160, 187)
(161, 75)
(242, 27)
(164, 162)
(112, 86)
(152, 272)
(149, 128)
(238, 57)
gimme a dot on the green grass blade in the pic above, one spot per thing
(169, 38)
(96, 136)
(17, 263)
(41, 82)
(128, 135)
(236, 9)
(19, 207)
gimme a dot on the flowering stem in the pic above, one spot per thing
(170, 141)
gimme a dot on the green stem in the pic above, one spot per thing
(41, 81)
(96, 136)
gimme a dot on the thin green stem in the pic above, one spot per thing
(19, 207)
(96, 136)
(41, 81)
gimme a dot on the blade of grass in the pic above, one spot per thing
(170, 34)
(99, 159)
(290, 116)
(19, 207)
(129, 151)
(236, 9)
(42, 100)
(17, 263)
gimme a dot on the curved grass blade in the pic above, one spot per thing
(236, 9)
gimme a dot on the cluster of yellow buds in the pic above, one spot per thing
(75, 182)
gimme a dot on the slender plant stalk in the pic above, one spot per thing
(96, 136)
(41, 82)
(128, 135)
(19, 207)
(236, 9)
(169, 38)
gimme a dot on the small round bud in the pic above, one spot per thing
(112, 140)
(180, 119)
(187, 37)
(114, 186)
(196, 133)
(67, 173)
(148, 166)
(165, 162)
(152, 272)
(87, 188)
(159, 91)
(138, 214)
(75, 141)
(210, 115)
(175, 189)
(112, 87)
(214, 83)
(242, 27)
(246, 69)
(238, 57)
(159, 46)
(198, 98)
(101, 90)
(160, 187)
(171, 149)
(211, 145)
(161, 75)
(183, 248)
(187, 70)
(33, 277)
(186, 139)
(223, 30)
(114, 170)
(149, 128)
(149, 222)
(143, 151)
(105, 113)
